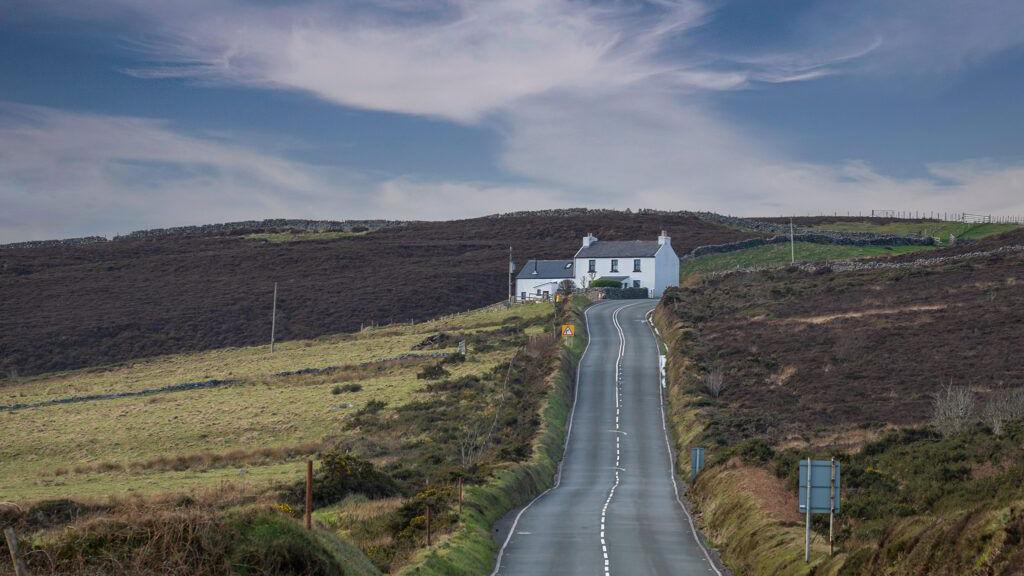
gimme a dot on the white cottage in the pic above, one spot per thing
(539, 279)
(647, 264)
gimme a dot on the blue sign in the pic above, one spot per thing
(821, 486)
(696, 461)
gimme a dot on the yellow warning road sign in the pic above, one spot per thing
(568, 330)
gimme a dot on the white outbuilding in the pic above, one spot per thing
(651, 264)
(539, 279)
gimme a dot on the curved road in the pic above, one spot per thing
(615, 508)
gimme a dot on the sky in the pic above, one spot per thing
(119, 115)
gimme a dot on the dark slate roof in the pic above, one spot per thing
(546, 269)
(620, 249)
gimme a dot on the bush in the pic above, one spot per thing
(605, 283)
(433, 372)
(351, 387)
(953, 409)
(341, 474)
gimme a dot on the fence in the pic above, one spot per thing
(965, 217)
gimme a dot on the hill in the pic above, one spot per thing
(83, 304)
(848, 361)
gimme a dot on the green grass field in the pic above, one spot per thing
(108, 447)
(775, 255)
(936, 228)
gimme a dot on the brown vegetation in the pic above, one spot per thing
(73, 306)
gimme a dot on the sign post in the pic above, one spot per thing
(696, 461)
(819, 493)
(568, 330)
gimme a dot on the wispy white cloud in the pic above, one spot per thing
(597, 104)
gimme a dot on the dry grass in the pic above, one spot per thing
(177, 441)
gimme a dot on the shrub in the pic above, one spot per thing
(341, 474)
(433, 372)
(605, 283)
(952, 409)
(714, 382)
(350, 387)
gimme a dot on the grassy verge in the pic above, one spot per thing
(936, 228)
(470, 549)
(806, 376)
(776, 255)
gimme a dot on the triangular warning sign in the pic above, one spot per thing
(568, 330)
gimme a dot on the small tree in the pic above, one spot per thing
(714, 382)
(953, 409)
(566, 287)
(1002, 408)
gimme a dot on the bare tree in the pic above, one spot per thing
(1003, 407)
(714, 382)
(953, 409)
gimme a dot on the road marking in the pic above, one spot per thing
(565, 449)
(672, 465)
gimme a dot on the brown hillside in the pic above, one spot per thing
(806, 353)
(72, 306)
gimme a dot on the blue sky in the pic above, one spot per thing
(118, 115)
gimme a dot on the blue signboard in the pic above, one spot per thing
(696, 461)
(821, 486)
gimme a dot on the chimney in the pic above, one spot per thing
(589, 239)
(664, 239)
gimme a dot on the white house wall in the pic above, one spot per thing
(646, 276)
(531, 286)
(667, 270)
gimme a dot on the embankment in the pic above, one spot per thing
(470, 550)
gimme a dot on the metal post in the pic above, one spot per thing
(12, 544)
(807, 534)
(831, 508)
(309, 494)
(792, 246)
(273, 319)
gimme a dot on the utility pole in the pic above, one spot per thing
(510, 266)
(792, 246)
(273, 319)
(832, 509)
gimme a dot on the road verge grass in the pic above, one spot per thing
(470, 549)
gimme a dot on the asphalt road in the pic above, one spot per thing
(615, 508)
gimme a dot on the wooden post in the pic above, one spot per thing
(460, 495)
(807, 534)
(12, 545)
(832, 508)
(428, 525)
(309, 494)
(273, 319)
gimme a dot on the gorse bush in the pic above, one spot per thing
(342, 474)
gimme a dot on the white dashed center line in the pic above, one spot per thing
(618, 428)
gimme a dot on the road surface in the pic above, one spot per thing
(615, 508)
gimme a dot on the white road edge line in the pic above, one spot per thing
(672, 462)
(565, 449)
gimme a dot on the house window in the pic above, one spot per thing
(636, 283)
(615, 265)
(593, 266)
(547, 295)
(522, 296)
(538, 291)
(636, 265)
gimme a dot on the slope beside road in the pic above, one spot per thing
(615, 508)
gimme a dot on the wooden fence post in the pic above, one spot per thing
(309, 494)
(428, 525)
(12, 545)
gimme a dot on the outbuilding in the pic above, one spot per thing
(539, 279)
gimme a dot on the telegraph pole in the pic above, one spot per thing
(273, 319)
(510, 265)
